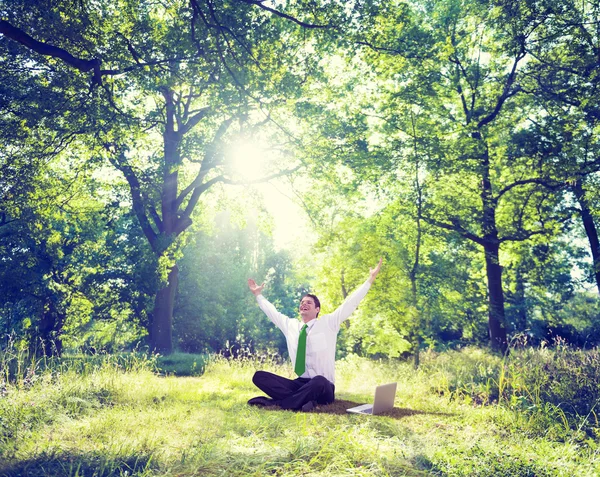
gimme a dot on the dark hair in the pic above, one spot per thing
(315, 299)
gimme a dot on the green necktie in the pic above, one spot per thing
(301, 354)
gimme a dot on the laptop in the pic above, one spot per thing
(383, 402)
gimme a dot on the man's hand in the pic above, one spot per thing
(374, 271)
(254, 288)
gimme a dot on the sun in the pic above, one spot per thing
(247, 160)
(251, 159)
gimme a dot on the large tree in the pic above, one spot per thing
(562, 76)
(171, 83)
(457, 65)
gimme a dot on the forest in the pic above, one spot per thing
(456, 139)
(155, 155)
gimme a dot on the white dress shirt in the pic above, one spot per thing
(321, 337)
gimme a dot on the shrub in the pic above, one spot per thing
(558, 383)
(562, 376)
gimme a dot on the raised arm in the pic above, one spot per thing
(254, 288)
(351, 302)
(373, 272)
(278, 319)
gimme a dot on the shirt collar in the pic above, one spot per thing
(310, 324)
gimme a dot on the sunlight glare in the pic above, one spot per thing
(248, 160)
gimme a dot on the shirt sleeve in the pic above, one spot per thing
(335, 319)
(278, 319)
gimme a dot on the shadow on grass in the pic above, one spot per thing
(67, 464)
(339, 407)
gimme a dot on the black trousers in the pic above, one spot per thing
(294, 393)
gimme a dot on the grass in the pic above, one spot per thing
(459, 415)
(182, 364)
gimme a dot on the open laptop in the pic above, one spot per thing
(384, 401)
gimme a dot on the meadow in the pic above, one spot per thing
(462, 413)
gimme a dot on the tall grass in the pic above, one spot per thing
(39, 391)
(463, 413)
(556, 387)
(20, 367)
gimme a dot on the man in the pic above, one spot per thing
(311, 345)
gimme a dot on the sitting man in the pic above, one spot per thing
(311, 345)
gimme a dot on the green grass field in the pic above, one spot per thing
(454, 416)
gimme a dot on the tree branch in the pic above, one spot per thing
(207, 164)
(460, 91)
(455, 226)
(195, 119)
(45, 49)
(184, 221)
(522, 235)
(506, 93)
(155, 217)
(547, 183)
(136, 56)
(275, 175)
(260, 4)
(127, 69)
(118, 159)
(82, 65)
(391, 51)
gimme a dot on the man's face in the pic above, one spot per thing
(308, 310)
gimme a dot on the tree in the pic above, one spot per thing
(458, 63)
(172, 82)
(49, 248)
(562, 77)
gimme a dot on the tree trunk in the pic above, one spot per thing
(590, 229)
(417, 333)
(491, 246)
(414, 294)
(416, 338)
(161, 329)
(162, 229)
(496, 297)
(49, 331)
(162, 317)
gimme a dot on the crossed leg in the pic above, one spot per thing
(294, 393)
